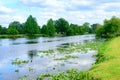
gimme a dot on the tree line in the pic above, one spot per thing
(62, 27)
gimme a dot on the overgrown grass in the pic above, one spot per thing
(108, 63)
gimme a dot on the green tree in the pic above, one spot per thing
(3, 30)
(51, 27)
(18, 26)
(86, 27)
(61, 26)
(0, 29)
(12, 31)
(99, 31)
(45, 30)
(112, 27)
(31, 27)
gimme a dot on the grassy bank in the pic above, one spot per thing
(108, 65)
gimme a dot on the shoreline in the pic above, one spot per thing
(108, 62)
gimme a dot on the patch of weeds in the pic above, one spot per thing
(71, 74)
(66, 57)
(17, 61)
(43, 76)
(47, 51)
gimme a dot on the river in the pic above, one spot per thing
(29, 49)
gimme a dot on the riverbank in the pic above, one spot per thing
(108, 63)
(20, 36)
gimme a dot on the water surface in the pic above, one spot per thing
(39, 63)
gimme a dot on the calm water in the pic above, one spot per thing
(22, 48)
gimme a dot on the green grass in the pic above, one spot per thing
(108, 62)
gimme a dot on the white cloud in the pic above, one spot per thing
(4, 9)
(75, 11)
(6, 19)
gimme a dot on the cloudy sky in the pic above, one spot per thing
(74, 11)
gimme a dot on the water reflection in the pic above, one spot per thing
(31, 42)
(32, 54)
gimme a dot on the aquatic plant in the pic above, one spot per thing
(17, 61)
(66, 57)
(72, 74)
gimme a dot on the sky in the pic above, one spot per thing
(74, 11)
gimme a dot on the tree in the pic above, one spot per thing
(51, 27)
(0, 29)
(86, 27)
(12, 30)
(18, 26)
(61, 26)
(45, 30)
(31, 27)
(99, 30)
(3, 30)
(69, 31)
(111, 28)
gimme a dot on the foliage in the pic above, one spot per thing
(3, 31)
(45, 30)
(86, 28)
(31, 27)
(61, 26)
(12, 30)
(51, 28)
(71, 74)
(18, 26)
(111, 28)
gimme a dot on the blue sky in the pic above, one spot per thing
(74, 11)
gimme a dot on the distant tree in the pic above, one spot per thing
(45, 30)
(86, 27)
(69, 32)
(61, 26)
(12, 30)
(99, 31)
(18, 26)
(31, 26)
(95, 27)
(74, 29)
(4, 30)
(0, 29)
(51, 27)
